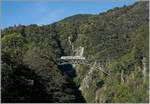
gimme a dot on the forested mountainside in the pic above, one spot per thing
(119, 38)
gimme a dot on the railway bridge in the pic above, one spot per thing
(79, 59)
(75, 60)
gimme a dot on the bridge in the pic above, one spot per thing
(73, 60)
(79, 59)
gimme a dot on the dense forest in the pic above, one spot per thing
(118, 37)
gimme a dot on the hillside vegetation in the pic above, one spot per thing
(119, 38)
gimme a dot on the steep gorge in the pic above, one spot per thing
(118, 38)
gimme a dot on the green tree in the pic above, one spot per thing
(14, 46)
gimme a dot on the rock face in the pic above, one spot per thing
(118, 38)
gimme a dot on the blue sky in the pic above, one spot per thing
(48, 11)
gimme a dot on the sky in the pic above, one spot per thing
(41, 12)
